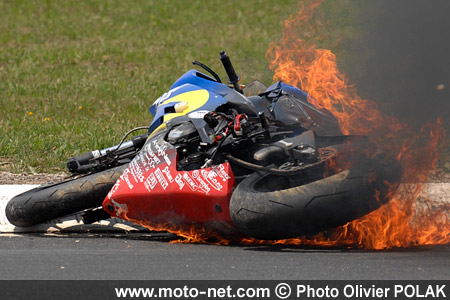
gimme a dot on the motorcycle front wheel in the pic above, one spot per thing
(53, 201)
(266, 206)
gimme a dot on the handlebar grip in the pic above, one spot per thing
(233, 78)
(74, 163)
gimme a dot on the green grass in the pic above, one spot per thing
(76, 75)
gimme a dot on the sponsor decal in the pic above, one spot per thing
(190, 181)
(127, 180)
(150, 182)
(220, 170)
(162, 152)
(114, 189)
(211, 178)
(203, 186)
(199, 114)
(153, 157)
(151, 164)
(136, 171)
(169, 176)
(179, 181)
(162, 180)
(143, 160)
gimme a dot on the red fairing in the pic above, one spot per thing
(152, 191)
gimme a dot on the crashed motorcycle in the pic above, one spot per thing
(225, 159)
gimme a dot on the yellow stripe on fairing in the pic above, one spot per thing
(194, 99)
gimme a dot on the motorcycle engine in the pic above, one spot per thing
(187, 141)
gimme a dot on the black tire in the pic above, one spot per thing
(261, 208)
(46, 203)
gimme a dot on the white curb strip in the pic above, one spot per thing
(69, 224)
(439, 192)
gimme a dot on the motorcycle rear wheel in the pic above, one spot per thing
(265, 206)
(53, 201)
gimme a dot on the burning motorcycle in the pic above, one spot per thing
(224, 159)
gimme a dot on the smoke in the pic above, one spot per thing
(401, 59)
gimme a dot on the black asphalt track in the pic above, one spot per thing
(142, 256)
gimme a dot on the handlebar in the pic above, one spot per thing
(233, 78)
(91, 160)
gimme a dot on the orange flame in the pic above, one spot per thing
(190, 233)
(409, 218)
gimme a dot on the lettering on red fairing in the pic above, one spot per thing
(203, 186)
(114, 189)
(210, 177)
(153, 157)
(190, 182)
(136, 171)
(169, 176)
(162, 152)
(179, 181)
(150, 182)
(125, 178)
(149, 158)
(141, 157)
(220, 170)
(162, 180)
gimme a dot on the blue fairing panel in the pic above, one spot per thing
(174, 91)
(204, 81)
(190, 82)
(289, 89)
